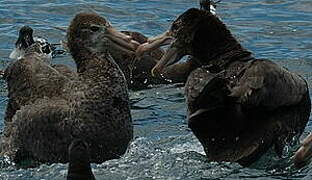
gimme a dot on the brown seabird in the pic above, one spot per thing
(238, 106)
(47, 110)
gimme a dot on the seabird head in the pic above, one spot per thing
(91, 31)
(195, 32)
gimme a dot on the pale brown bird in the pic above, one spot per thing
(47, 109)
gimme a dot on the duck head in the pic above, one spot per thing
(95, 33)
(208, 5)
(196, 32)
(25, 39)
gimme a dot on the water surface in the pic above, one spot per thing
(164, 147)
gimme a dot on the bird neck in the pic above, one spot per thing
(92, 64)
(213, 44)
(222, 61)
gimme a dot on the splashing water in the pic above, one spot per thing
(164, 147)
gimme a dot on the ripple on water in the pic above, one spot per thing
(164, 147)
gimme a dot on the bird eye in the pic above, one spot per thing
(95, 28)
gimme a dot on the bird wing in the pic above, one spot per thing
(31, 78)
(202, 89)
(266, 84)
(41, 128)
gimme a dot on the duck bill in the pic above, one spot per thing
(154, 43)
(121, 41)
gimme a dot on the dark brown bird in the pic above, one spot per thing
(79, 167)
(238, 106)
(47, 109)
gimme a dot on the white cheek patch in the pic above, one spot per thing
(40, 40)
(19, 52)
(44, 45)
(213, 10)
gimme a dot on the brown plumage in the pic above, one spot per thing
(48, 109)
(238, 106)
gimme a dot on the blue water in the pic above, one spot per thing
(164, 147)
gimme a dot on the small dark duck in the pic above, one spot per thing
(238, 106)
(79, 167)
(26, 39)
(48, 110)
(48, 51)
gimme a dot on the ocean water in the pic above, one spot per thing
(164, 147)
